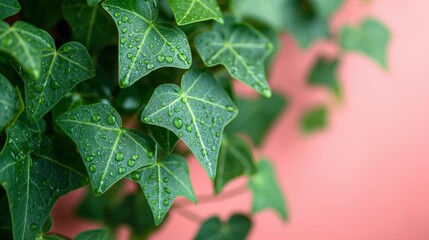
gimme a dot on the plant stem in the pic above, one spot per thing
(190, 215)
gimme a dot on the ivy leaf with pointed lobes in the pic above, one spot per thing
(197, 113)
(237, 228)
(324, 73)
(164, 137)
(96, 234)
(235, 159)
(262, 114)
(62, 70)
(190, 11)
(25, 44)
(91, 26)
(109, 151)
(11, 104)
(162, 182)
(371, 39)
(266, 191)
(314, 119)
(145, 43)
(34, 182)
(9, 8)
(241, 49)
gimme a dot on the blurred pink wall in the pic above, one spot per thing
(364, 178)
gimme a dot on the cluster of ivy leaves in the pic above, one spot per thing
(94, 92)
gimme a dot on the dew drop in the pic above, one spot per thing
(167, 190)
(123, 40)
(149, 154)
(230, 108)
(134, 156)
(150, 66)
(92, 167)
(54, 85)
(66, 49)
(165, 179)
(33, 227)
(38, 88)
(46, 182)
(131, 163)
(111, 119)
(124, 30)
(166, 202)
(136, 176)
(203, 152)
(117, 14)
(160, 58)
(178, 123)
(96, 118)
(152, 176)
(188, 128)
(184, 99)
(121, 170)
(119, 156)
(169, 59)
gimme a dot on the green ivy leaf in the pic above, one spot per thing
(25, 44)
(262, 113)
(9, 8)
(237, 228)
(34, 182)
(164, 137)
(314, 119)
(235, 159)
(325, 8)
(162, 182)
(370, 38)
(241, 49)
(324, 73)
(62, 70)
(96, 234)
(92, 3)
(145, 43)
(270, 14)
(11, 104)
(109, 151)
(197, 113)
(190, 11)
(42, 13)
(266, 190)
(92, 26)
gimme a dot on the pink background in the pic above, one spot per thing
(367, 175)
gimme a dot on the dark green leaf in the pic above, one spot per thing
(97, 234)
(162, 182)
(371, 39)
(42, 13)
(34, 182)
(134, 210)
(62, 70)
(190, 11)
(197, 113)
(146, 44)
(164, 137)
(237, 228)
(25, 44)
(235, 159)
(266, 191)
(8, 8)
(257, 116)
(92, 26)
(109, 151)
(324, 73)
(68, 102)
(11, 104)
(241, 49)
(314, 119)
(92, 3)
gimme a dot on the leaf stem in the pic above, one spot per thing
(190, 215)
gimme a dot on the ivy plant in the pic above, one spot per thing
(100, 94)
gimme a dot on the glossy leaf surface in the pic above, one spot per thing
(109, 151)
(197, 113)
(11, 104)
(190, 11)
(9, 8)
(145, 43)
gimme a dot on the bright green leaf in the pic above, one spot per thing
(92, 3)
(42, 13)
(164, 137)
(8, 8)
(62, 70)
(146, 44)
(92, 26)
(162, 182)
(97, 234)
(241, 49)
(257, 116)
(237, 228)
(11, 104)
(371, 39)
(190, 11)
(324, 73)
(270, 13)
(266, 191)
(25, 44)
(235, 159)
(314, 119)
(197, 113)
(34, 182)
(109, 151)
